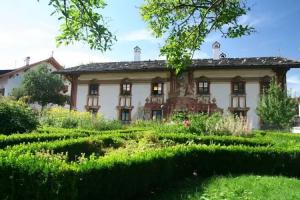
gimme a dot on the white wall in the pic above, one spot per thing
(82, 92)
(221, 92)
(140, 91)
(109, 99)
(252, 92)
(15, 81)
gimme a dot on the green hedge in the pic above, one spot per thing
(50, 134)
(122, 176)
(210, 139)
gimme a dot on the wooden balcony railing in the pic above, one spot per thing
(92, 102)
(238, 101)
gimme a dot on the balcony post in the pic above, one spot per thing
(74, 86)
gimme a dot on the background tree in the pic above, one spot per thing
(42, 86)
(186, 23)
(276, 108)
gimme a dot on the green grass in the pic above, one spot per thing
(241, 187)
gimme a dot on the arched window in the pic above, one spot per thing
(238, 86)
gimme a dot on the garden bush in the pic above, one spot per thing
(64, 118)
(16, 117)
(124, 176)
(51, 134)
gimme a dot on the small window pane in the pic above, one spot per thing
(94, 89)
(203, 87)
(125, 115)
(126, 89)
(157, 88)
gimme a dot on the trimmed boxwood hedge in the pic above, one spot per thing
(23, 175)
(50, 134)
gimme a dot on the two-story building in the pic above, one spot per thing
(149, 90)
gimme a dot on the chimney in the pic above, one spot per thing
(137, 53)
(27, 60)
(216, 50)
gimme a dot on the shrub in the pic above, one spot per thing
(124, 177)
(64, 118)
(216, 124)
(16, 117)
(276, 109)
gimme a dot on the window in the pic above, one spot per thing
(126, 89)
(156, 114)
(125, 115)
(157, 88)
(238, 87)
(94, 89)
(203, 87)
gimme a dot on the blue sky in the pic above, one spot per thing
(27, 29)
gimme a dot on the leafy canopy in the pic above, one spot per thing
(42, 86)
(81, 21)
(276, 108)
(186, 24)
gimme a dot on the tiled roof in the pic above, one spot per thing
(50, 60)
(160, 65)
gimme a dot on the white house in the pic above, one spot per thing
(10, 79)
(149, 90)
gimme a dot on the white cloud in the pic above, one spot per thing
(251, 20)
(293, 79)
(138, 35)
(201, 54)
(17, 42)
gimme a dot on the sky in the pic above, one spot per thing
(27, 29)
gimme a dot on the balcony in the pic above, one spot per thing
(238, 102)
(125, 101)
(158, 99)
(92, 102)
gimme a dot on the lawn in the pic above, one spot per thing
(245, 187)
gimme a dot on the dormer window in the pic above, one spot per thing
(126, 89)
(203, 86)
(94, 89)
(157, 88)
(238, 86)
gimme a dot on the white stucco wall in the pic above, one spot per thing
(82, 91)
(109, 98)
(15, 81)
(140, 91)
(221, 92)
(252, 92)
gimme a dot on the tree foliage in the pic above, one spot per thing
(276, 108)
(42, 86)
(81, 21)
(186, 24)
(16, 117)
